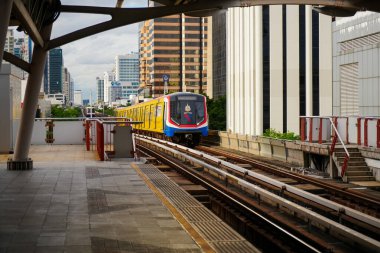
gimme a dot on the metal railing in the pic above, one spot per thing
(99, 134)
(332, 148)
(362, 131)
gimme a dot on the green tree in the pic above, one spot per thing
(107, 111)
(65, 112)
(217, 113)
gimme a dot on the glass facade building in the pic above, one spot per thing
(55, 70)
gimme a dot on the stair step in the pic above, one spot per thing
(352, 154)
(358, 173)
(350, 150)
(358, 168)
(360, 178)
(354, 163)
(353, 159)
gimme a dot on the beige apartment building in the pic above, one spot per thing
(176, 47)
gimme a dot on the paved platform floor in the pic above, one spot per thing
(71, 203)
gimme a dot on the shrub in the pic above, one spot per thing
(272, 133)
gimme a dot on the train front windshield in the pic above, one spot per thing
(187, 110)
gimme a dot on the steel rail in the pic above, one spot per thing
(282, 172)
(315, 198)
(350, 233)
(239, 203)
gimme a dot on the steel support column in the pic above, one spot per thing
(24, 136)
(5, 13)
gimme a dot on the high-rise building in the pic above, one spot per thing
(126, 75)
(9, 41)
(78, 97)
(127, 67)
(278, 68)
(108, 78)
(176, 47)
(66, 85)
(356, 65)
(55, 70)
(100, 89)
(71, 90)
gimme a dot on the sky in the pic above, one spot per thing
(90, 57)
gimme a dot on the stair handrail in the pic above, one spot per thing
(332, 149)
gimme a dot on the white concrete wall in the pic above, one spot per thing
(64, 133)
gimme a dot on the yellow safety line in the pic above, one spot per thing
(205, 246)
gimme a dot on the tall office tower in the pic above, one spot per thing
(66, 85)
(176, 47)
(127, 75)
(18, 48)
(278, 67)
(100, 89)
(143, 52)
(219, 44)
(108, 78)
(78, 99)
(9, 41)
(127, 67)
(55, 70)
(71, 90)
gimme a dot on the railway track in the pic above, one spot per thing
(357, 200)
(293, 223)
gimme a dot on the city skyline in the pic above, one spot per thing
(90, 57)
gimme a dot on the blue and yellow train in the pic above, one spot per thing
(180, 117)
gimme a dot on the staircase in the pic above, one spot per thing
(357, 168)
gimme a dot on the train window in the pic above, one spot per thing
(188, 112)
(158, 110)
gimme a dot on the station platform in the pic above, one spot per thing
(70, 202)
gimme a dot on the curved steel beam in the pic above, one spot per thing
(119, 17)
(125, 16)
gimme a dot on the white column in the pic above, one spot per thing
(309, 60)
(5, 7)
(276, 67)
(259, 69)
(325, 65)
(293, 83)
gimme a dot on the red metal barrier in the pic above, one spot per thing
(365, 132)
(303, 130)
(320, 131)
(88, 134)
(359, 127)
(100, 140)
(344, 166)
(311, 130)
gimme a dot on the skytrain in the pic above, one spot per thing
(179, 117)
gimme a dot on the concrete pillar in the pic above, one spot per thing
(5, 13)
(309, 60)
(24, 136)
(259, 69)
